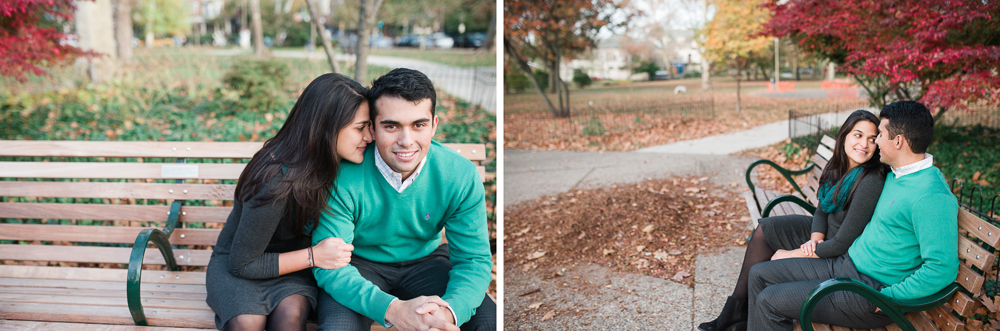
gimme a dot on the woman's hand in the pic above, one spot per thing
(332, 253)
(785, 254)
(809, 248)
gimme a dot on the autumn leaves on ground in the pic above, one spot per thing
(655, 227)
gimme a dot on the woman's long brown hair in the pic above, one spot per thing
(305, 147)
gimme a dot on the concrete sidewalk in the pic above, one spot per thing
(760, 136)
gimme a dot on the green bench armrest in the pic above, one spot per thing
(162, 241)
(787, 198)
(895, 309)
(784, 172)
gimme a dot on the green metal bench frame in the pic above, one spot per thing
(161, 238)
(784, 172)
(895, 309)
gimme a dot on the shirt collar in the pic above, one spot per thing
(927, 162)
(394, 178)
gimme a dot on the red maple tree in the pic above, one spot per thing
(942, 53)
(31, 36)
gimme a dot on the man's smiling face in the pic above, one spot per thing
(403, 132)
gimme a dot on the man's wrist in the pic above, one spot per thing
(388, 324)
(454, 317)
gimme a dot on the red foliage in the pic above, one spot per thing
(30, 35)
(950, 49)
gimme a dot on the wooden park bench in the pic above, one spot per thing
(77, 217)
(765, 203)
(947, 310)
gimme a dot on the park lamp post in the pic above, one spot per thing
(777, 68)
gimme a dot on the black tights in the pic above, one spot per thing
(290, 314)
(757, 251)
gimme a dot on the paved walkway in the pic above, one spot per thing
(597, 297)
(729, 143)
(476, 85)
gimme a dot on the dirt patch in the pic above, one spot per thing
(655, 227)
(786, 154)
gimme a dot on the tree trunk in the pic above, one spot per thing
(706, 75)
(366, 18)
(552, 66)
(258, 29)
(95, 27)
(831, 71)
(795, 61)
(327, 46)
(123, 31)
(509, 49)
(490, 42)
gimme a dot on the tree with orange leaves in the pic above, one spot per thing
(555, 30)
(732, 37)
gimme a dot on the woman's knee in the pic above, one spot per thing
(245, 322)
(293, 306)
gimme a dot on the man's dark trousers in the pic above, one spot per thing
(778, 289)
(425, 276)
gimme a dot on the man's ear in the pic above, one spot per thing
(434, 124)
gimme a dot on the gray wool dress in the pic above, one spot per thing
(841, 228)
(242, 276)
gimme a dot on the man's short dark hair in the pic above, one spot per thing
(913, 121)
(408, 84)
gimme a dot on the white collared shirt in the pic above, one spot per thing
(927, 162)
(394, 178)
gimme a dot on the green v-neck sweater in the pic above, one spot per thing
(911, 244)
(388, 226)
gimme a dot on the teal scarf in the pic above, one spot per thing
(825, 194)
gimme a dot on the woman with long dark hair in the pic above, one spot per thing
(259, 274)
(849, 188)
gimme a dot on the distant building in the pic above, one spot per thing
(676, 52)
(609, 60)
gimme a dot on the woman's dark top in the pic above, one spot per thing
(242, 276)
(841, 228)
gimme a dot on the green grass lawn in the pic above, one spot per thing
(456, 57)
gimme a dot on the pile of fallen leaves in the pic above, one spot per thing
(655, 227)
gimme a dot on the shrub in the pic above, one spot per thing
(517, 81)
(543, 79)
(260, 84)
(594, 127)
(581, 79)
(648, 67)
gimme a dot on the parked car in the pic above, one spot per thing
(410, 40)
(470, 40)
(661, 75)
(441, 40)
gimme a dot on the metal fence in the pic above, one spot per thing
(982, 114)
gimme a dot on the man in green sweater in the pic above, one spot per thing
(909, 250)
(392, 208)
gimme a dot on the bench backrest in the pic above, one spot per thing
(977, 240)
(100, 195)
(823, 154)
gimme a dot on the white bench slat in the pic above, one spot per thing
(110, 212)
(101, 234)
(116, 170)
(117, 190)
(101, 274)
(94, 254)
